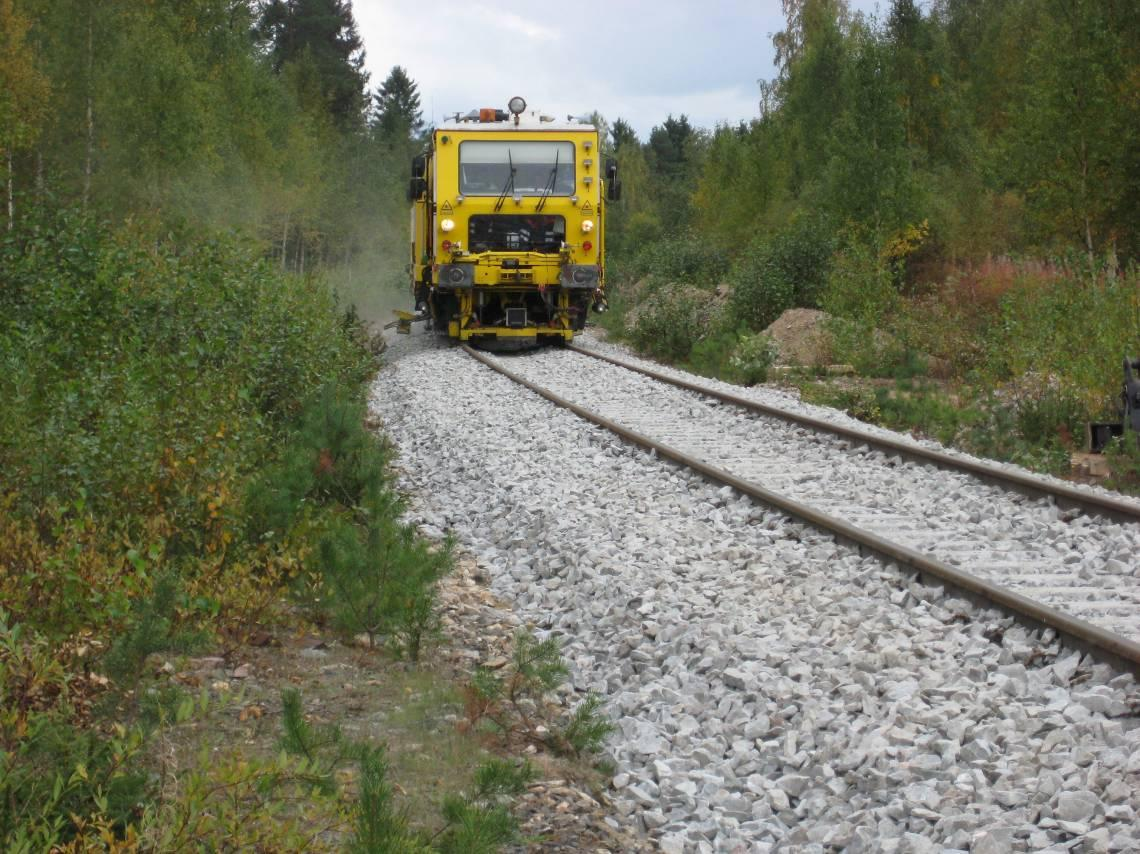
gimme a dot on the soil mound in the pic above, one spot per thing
(800, 337)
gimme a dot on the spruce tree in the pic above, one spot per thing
(622, 134)
(397, 107)
(323, 34)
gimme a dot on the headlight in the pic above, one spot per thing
(446, 224)
(587, 226)
(456, 275)
(579, 276)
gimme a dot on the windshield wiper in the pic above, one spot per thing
(550, 182)
(507, 187)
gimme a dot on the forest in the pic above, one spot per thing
(189, 479)
(203, 206)
(956, 184)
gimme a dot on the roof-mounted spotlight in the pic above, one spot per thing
(516, 105)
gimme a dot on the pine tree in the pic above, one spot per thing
(397, 107)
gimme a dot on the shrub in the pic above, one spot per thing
(511, 701)
(859, 285)
(152, 627)
(331, 459)
(480, 822)
(381, 578)
(670, 322)
(146, 377)
(752, 357)
(54, 775)
(787, 270)
(680, 259)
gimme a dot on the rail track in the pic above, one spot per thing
(1051, 555)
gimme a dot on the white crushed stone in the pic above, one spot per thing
(771, 689)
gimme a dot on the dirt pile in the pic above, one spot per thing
(800, 337)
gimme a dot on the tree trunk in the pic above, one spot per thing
(284, 243)
(1085, 196)
(11, 192)
(88, 165)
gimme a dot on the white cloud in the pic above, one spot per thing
(634, 60)
(511, 22)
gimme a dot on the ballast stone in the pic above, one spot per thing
(708, 583)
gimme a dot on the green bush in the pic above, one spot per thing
(787, 270)
(480, 822)
(147, 378)
(670, 322)
(751, 358)
(53, 772)
(151, 628)
(871, 351)
(859, 285)
(331, 459)
(680, 259)
(511, 702)
(138, 367)
(380, 578)
(711, 354)
(1074, 324)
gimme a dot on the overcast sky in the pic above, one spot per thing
(639, 61)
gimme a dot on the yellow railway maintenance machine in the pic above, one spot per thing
(507, 227)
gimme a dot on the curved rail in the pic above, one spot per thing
(1064, 496)
(1104, 645)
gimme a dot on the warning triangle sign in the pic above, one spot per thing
(587, 209)
(446, 208)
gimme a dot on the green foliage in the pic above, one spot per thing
(787, 271)
(587, 730)
(511, 701)
(151, 629)
(398, 117)
(734, 356)
(538, 666)
(680, 259)
(1073, 325)
(325, 748)
(751, 358)
(331, 459)
(378, 826)
(670, 322)
(321, 34)
(1123, 455)
(480, 821)
(474, 828)
(380, 578)
(872, 352)
(711, 354)
(52, 771)
(1073, 133)
(498, 778)
(142, 369)
(859, 285)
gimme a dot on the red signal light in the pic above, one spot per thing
(587, 246)
(446, 246)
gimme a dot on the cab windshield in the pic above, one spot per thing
(503, 167)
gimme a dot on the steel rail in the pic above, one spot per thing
(1114, 649)
(1063, 496)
